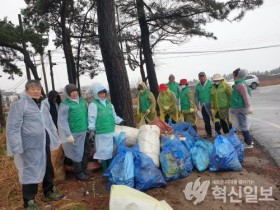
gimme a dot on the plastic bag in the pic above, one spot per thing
(180, 126)
(175, 159)
(201, 153)
(121, 169)
(149, 143)
(163, 126)
(186, 139)
(224, 157)
(125, 198)
(239, 147)
(147, 175)
(131, 134)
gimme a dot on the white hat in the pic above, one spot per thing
(217, 77)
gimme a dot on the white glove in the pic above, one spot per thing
(249, 110)
(71, 139)
(166, 108)
(148, 111)
(192, 110)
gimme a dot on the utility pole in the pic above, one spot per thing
(44, 73)
(51, 70)
(23, 46)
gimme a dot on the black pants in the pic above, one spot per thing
(166, 119)
(29, 191)
(222, 124)
(82, 166)
(206, 119)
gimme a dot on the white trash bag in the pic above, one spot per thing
(149, 143)
(125, 198)
(131, 134)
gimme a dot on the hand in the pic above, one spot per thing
(192, 110)
(148, 111)
(249, 110)
(166, 108)
(71, 139)
(198, 108)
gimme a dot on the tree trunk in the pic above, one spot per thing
(114, 61)
(145, 40)
(67, 48)
(2, 116)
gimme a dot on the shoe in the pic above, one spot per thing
(55, 195)
(247, 146)
(32, 205)
(82, 176)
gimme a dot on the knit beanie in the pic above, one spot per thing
(70, 88)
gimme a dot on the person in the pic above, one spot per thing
(174, 87)
(187, 103)
(240, 104)
(203, 101)
(101, 121)
(31, 134)
(167, 104)
(53, 103)
(220, 103)
(72, 127)
(147, 102)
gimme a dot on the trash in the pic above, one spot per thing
(149, 143)
(57, 158)
(175, 159)
(239, 147)
(131, 134)
(186, 139)
(163, 126)
(147, 175)
(121, 169)
(201, 153)
(224, 157)
(125, 198)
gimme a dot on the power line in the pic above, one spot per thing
(219, 51)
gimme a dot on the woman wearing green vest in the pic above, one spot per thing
(101, 120)
(174, 87)
(72, 126)
(167, 104)
(147, 102)
(203, 101)
(220, 103)
(240, 105)
(187, 103)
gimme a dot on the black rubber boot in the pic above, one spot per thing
(79, 171)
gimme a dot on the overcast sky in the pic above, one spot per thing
(258, 29)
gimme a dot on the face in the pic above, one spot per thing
(74, 94)
(34, 92)
(102, 95)
(171, 79)
(202, 78)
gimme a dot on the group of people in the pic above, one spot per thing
(216, 100)
(35, 126)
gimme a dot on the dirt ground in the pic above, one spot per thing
(259, 172)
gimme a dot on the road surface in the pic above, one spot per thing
(265, 122)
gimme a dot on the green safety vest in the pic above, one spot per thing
(77, 115)
(204, 92)
(184, 99)
(144, 101)
(236, 100)
(174, 87)
(105, 122)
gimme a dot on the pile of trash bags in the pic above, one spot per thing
(168, 152)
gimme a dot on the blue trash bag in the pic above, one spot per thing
(239, 147)
(121, 169)
(180, 126)
(147, 175)
(201, 153)
(224, 157)
(187, 140)
(120, 139)
(175, 159)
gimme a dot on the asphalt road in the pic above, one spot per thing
(265, 121)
